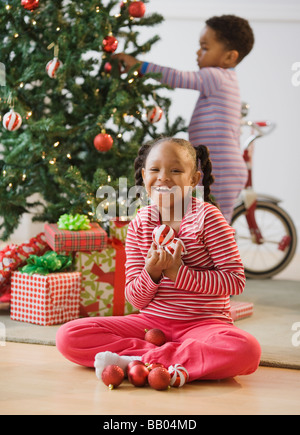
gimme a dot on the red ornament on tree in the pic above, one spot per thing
(110, 44)
(155, 336)
(30, 4)
(138, 375)
(137, 9)
(159, 378)
(103, 142)
(113, 376)
(108, 67)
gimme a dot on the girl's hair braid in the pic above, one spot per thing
(140, 162)
(208, 179)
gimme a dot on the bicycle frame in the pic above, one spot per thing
(249, 196)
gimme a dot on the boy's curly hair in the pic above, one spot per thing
(234, 32)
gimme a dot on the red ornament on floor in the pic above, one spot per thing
(138, 375)
(179, 375)
(103, 142)
(30, 4)
(137, 9)
(113, 376)
(132, 364)
(154, 366)
(159, 379)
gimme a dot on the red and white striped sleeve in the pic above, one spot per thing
(140, 289)
(228, 276)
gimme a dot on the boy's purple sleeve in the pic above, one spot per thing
(207, 80)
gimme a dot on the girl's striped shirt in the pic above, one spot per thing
(210, 273)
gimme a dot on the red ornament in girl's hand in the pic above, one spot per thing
(172, 247)
(110, 44)
(137, 9)
(103, 142)
(138, 375)
(113, 376)
(155, 336)
(163, 235)
(30, 4)
(159, 378)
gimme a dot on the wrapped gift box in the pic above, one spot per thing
(71, 241)
(103, 281)
(45, 299)
(241, 310)
(13, 257)
(118, 229)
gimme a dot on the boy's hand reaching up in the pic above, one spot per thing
(126, 61)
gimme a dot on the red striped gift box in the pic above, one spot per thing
(93, 239)
(241, 310)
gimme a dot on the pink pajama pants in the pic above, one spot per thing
(210, 349)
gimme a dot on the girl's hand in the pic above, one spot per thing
(126, 61)
(157, 261)
(172, 271)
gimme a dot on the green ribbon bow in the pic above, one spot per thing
(49, 263)
(76, 222)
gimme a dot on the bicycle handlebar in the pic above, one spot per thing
(261, 128)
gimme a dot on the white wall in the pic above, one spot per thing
(265, 81)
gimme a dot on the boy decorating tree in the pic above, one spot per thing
(224, 43)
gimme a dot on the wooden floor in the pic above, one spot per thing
(38, 380)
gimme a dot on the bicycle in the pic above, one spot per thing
(265, 233)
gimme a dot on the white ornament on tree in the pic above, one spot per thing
(155, 114)
(12, 120)
(52, 67)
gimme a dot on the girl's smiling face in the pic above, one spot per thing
(168, 173)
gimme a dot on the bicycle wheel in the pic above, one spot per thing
(262, 261)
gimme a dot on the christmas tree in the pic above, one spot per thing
(71, 121)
